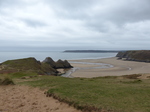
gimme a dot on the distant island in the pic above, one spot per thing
(93, 51)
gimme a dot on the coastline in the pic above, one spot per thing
(55, 55)
(119, 68)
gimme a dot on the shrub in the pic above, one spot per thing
(6, 81)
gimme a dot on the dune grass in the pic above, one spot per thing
(6, 80)
(111, 94)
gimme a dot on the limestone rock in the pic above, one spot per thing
(59, 64)
(50, 61)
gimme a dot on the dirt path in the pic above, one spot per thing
(27, 99)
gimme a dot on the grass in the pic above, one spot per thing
(6, 80)
(22, 74)
(133, 76)
(26, 64)
(108, 93)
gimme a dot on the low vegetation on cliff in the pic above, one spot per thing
(26, 65)
(139, 55)
(47, 67)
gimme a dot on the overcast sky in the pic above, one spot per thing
(74, 24)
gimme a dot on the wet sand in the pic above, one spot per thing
(119, 68)
(27, 99)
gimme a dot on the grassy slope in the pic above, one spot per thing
(28, 64)
(111, 93)
(139, 55)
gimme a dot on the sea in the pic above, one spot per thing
(55, 55)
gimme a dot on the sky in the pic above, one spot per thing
(74, 24)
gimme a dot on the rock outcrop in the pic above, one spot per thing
(63, 64)
(139, 55)
(50, 61)
(59, 64)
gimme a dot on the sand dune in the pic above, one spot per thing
(27, 99)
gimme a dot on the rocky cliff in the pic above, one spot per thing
(63, 64)
(58, 64)
(50, 61)
(139, 55)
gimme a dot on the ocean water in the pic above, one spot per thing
(55, 55)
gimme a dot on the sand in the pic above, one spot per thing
(27, 99)
(119, 68)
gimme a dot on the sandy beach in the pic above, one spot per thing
(28, 99)
(120, 67)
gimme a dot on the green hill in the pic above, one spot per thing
(139, 55)
(26, 64)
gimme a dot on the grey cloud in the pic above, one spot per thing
(121, 13)
(117, 13)
(11, 3)
(131, 11)
(34, 23)
(96, 24)
(71, 9)
(71, 4)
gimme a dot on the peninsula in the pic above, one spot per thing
(93, 51)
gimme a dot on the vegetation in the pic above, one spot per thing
(6, 80)
(139, 55)
(103, 94)
(26, 64)
(21, 75)
(47, 67)
(109, 94)
(106, 94)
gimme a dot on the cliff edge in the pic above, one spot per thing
(136, 55)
